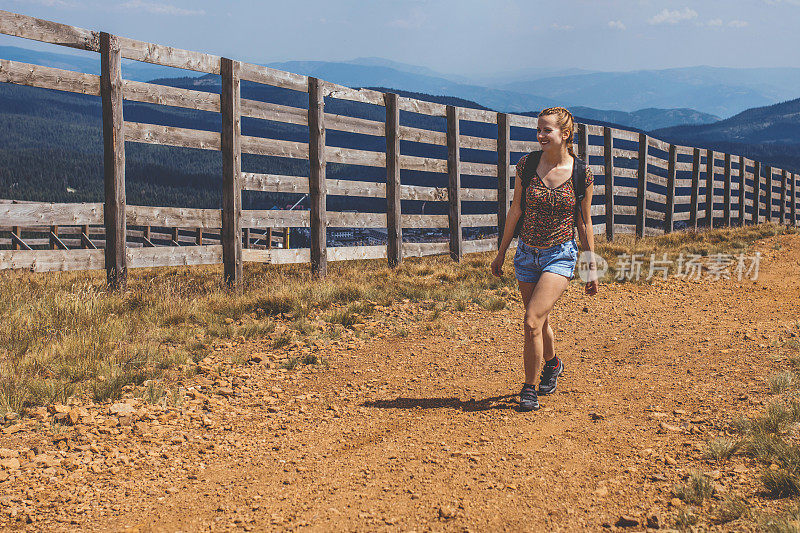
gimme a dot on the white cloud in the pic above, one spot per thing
(738, 23)
(673, 17)
(616, 25)
(559, 27)
(160, 9)
(715, 22)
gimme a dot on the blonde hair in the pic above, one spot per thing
(565, 121)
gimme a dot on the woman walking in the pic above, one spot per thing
(552, 193)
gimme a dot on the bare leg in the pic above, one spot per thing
(539, 299)
(548, 339)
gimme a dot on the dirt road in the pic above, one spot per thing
(420, 432)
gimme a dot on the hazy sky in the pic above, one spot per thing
(461, 37)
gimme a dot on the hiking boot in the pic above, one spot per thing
(528, 399)
(549, 380)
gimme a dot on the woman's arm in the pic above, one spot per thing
(586, 235)
(512, 217)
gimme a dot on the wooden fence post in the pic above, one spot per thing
(669, 207)
(503, 173)
(15, 231)
(710, 188)
(783, 196)
(769, 193)
(726, 195)
(394, 222)
(316, 182)
(608, 158)
(742, 167)
(756, 192)
(454, 182)
(695, 194)
(53, 237)
(230, 138)
(113, 161)
(793, 196)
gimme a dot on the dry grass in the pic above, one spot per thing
(63, 334)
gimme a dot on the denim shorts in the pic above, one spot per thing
(530, 262)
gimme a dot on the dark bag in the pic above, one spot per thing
(579, 169)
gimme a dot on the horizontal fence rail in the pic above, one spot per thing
(643, 186)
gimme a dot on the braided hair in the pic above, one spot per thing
(566, 122)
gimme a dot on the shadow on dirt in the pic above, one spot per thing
(495, 402)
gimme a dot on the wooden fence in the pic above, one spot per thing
(643, 185)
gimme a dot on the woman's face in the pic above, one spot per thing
(549, 134)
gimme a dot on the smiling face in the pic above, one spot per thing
(550, 135)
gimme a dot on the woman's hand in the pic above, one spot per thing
(591, 287)
(497, 265)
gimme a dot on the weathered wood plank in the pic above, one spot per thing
(48, 32)
(162, 256)
(52, 260)
(479, 195)
(523, 121)
(168, 56)
(525, 146)
(425, 221)
(669, 208)
(48, 78)
(230, 139)
(317, 158)
(425, 164)
(421, 249)
(407, 133)
(657, 162)
(274, 112)
(709, 188)
(354, 125)
(274, 77)
(269, 218)
(726, 195)
(181, 217)
(477, 115)
(421, 107)
(695, 194)
(252, 181)
(171, 136)
(625, 135)
(136, 91)
(428, 194)
(356, 220)
(478, 143)
(351, 156)
(625, 154)
(394, 227)
(504, 194)
(341, 92)
(113, 161)
(479, 245)
(477, 221)
(34, 214)
(454, 169)
(274, 147)
(277, 256)
(608, 171)
(356, 188)
(356, 253)
(478, 169)
(659, 144)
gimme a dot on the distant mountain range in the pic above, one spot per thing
(644, 99)
(719, 91)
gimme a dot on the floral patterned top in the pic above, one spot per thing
(548, 211)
